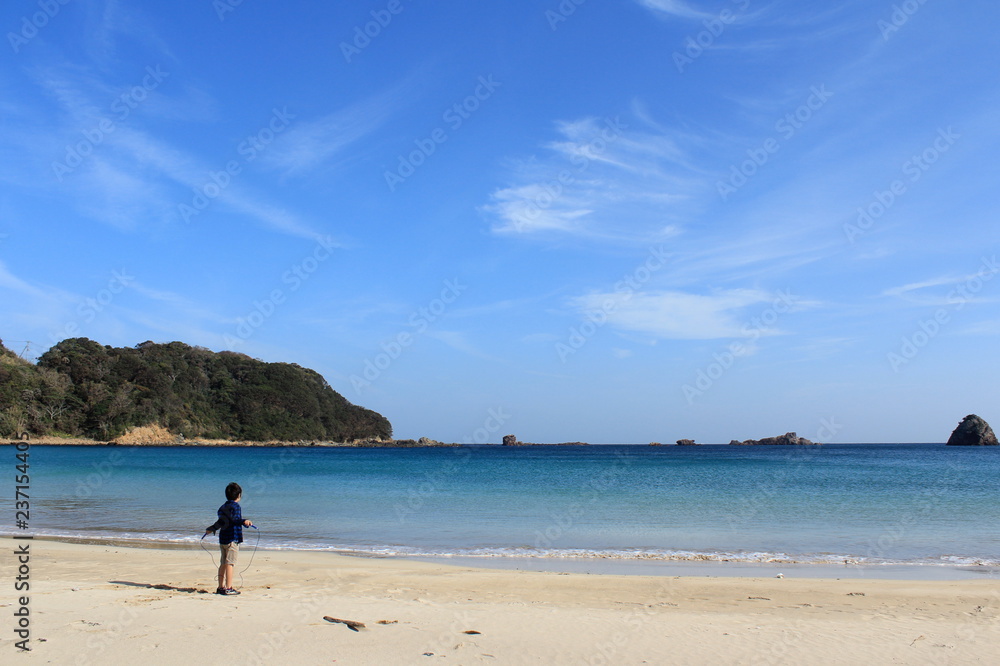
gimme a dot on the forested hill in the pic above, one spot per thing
(83, 389)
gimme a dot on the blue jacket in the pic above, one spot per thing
(229, 524)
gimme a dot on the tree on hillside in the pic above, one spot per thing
(82, 388)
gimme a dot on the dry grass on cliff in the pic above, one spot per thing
(147, 434)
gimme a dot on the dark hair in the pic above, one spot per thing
(233, 491)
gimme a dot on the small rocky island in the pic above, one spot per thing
(973, 431)
(788, 439)
(687, 442)
(511, 440)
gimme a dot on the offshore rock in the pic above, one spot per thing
(511, 440)
(973, 431)
(788, 439)
(686, 442)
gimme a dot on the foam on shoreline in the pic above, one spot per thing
(619, 561)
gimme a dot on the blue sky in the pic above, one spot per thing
(620, 221)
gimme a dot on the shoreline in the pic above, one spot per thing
(95, 604)
(724, 569)
(404, 444)
(594, 563)
(210, 443)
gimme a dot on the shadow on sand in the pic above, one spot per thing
(161, 586)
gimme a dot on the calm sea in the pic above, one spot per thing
(922, 504)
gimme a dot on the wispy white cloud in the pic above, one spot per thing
(533, 208)
(601, 181)
(140, 180)
(55, 314)
(676, 315)
(501, 306)
(946, 290)
(908, 291)
(11, 282)
(110, 22)
(179, 305)
(674, 8)
(187, 103)
(110, 191)
(133, 176)
(989, 328)
(540, 338)
(459, 341)
(310, 144)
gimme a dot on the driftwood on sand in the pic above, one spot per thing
(351, 624)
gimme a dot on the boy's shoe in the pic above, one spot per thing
(227, 591)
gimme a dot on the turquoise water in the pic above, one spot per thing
(899, 503)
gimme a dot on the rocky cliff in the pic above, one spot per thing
(973, 431)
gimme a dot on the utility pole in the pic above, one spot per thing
(27, 348)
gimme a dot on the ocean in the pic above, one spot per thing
(923, 505)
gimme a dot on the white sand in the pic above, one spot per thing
(94, 605)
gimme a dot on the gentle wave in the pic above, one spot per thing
(649, 555)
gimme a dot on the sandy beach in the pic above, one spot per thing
(98, 604)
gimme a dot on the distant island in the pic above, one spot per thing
(175, 393)
(511, 440)
(788, 439)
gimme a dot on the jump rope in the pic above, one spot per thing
(202, 543)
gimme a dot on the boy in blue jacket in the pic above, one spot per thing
(230, 525)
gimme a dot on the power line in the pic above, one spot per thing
(27, 347)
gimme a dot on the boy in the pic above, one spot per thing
(230, 524)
